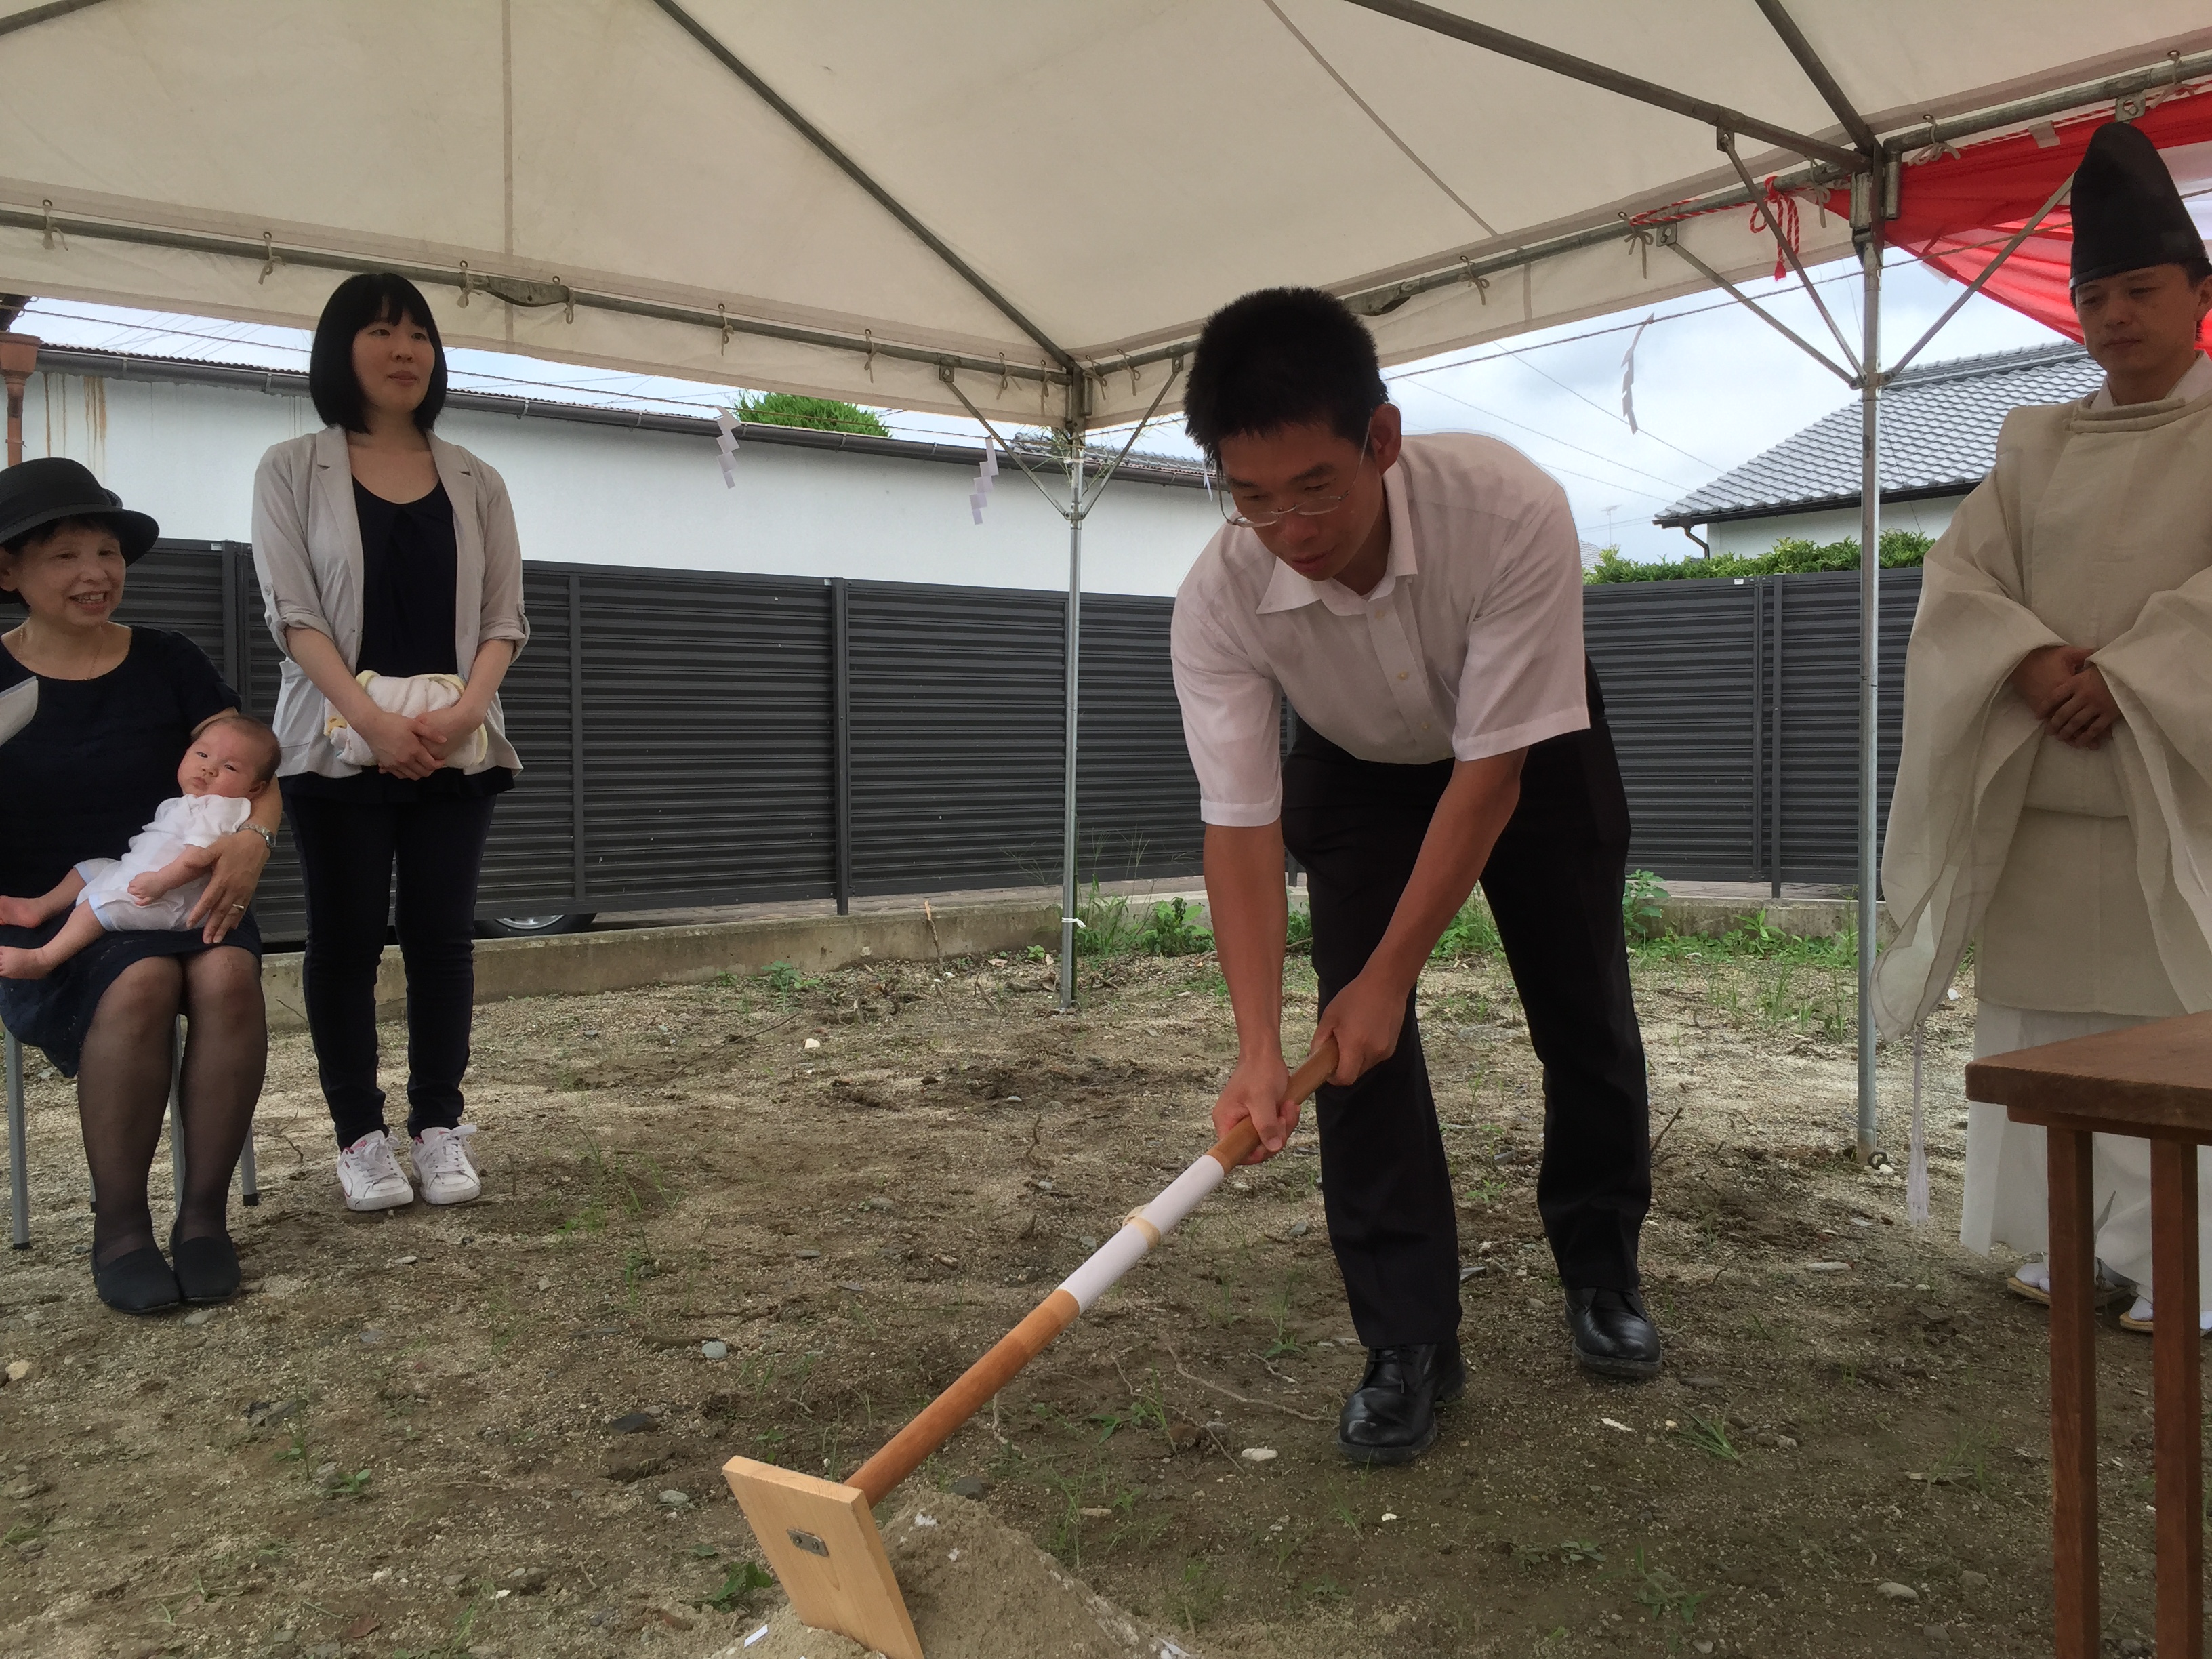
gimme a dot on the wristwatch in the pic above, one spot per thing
(267, 837)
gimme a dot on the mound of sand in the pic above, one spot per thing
(976, 1588)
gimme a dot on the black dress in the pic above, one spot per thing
(408, 563)
(79, 781)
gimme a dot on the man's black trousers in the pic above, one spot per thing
(1554, 886)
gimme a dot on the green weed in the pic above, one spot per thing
(1472, 932)
(1710, 1435)
(1172, 930)
(1661, 1594)
(741, 1582)
(1640, 902)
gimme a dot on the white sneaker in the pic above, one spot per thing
(442, 1165)
(370, 1174)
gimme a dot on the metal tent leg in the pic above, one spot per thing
(19, 1173)
(1070, 893)
(1869, 671)
(249, 1182)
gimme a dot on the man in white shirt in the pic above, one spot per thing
(1420, 602)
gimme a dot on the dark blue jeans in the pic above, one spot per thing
(350, 852)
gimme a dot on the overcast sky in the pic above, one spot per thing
(1713, 385)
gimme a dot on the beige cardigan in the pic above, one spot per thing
(307, 551)
(2088, 871)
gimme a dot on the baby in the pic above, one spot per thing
(154, 886)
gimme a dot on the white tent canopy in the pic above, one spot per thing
(1095, 178)
(1023, 212)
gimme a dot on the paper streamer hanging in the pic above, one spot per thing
(1628, 373)
(727, 444)
(985, 476)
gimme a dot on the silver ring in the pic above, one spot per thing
(238, 907)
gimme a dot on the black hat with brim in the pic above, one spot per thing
(2127, 212)
(54, 488)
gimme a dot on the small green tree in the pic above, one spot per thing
(817, 413)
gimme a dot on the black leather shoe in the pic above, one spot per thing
(207, 1268)
(1391, 1417)
(138, 1283)
(1612, 1334)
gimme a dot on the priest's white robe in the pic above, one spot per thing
(2086, 875)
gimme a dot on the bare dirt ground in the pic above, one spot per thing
(494, 1430)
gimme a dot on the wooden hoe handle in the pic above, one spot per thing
(938, 1421)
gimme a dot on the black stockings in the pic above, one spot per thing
(122, 1090)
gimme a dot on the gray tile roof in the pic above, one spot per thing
(1939, 434)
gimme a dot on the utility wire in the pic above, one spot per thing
(1608, 460)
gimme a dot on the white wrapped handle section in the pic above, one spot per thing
(1143, 1229)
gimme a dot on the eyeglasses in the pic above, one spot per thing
(1312, 507)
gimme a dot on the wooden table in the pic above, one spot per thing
(2155, 1081)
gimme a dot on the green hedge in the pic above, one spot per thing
(819, 414)
(1791, 555)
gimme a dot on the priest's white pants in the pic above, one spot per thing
(2007, 1191)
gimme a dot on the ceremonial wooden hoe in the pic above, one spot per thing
(820, 1536)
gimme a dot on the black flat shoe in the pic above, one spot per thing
(138, 1283)
(1391, 1417)
(1613, 1336)
(207, 1268)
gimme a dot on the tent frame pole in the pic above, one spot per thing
(1070, 893)
(1870, 895)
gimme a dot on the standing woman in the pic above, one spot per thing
(99, 714)
(382, 548)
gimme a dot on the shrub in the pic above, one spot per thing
(1791, 556)
(817, 413)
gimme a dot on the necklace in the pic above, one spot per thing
(23, 636)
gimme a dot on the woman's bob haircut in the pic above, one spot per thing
(374, 296)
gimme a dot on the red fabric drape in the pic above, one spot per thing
(1957, 211)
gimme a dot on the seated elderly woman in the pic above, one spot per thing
(94, 719)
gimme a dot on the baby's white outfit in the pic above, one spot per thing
(410, 695)
(181, 821)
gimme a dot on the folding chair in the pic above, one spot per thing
(19, 1173)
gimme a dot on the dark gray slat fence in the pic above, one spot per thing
(1136, 797)
(957, 707)
(697, 727)
(1812, 751)
(1677, 664)
(1735, 707)
(708, 740)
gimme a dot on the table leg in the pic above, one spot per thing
(2177, 1459)
(2073, 1397)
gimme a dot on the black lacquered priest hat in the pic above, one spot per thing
(2127, 212)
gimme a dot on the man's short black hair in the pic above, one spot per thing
(1279, 357)
(374, 296)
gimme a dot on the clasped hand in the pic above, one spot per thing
(1365, 1019)
(415, 747)
(2068, 692)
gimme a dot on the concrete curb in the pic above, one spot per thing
(1806, 918)
(572, 964)
(621, 959)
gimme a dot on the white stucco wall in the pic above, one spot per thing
(1753, 537)
(600, 494)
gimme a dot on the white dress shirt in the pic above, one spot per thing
(1471, 645)
(2189, 388)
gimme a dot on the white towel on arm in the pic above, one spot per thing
(410, 695)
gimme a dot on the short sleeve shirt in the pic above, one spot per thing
(1470, 645)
